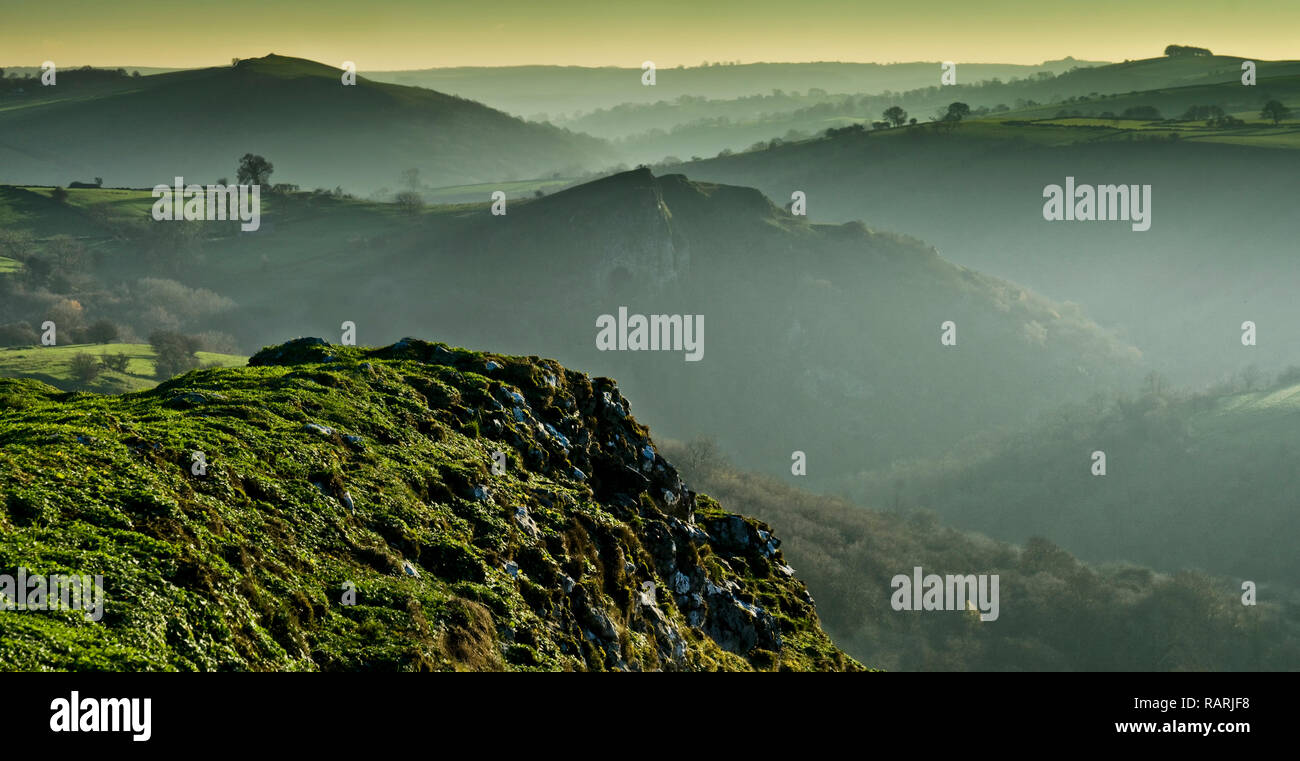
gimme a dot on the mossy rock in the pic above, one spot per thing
(348, 516)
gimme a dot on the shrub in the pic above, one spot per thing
(18, 334)
(85, 368)
(175, 353)
(102, 332)
(1148, 113)
(115, 362)
(409, 201)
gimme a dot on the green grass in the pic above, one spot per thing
(483, 191)
(330, 466)
(52, 365)
(8, 265)
(1075, 130)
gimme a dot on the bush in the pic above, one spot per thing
(115, 362)
(175, 353)
(1147, 113)
(18, 334)
(1289, 376)
(102, 332)
(59, 194)
(85, 368)
(409, 201)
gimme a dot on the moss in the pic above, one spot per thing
(348, 519)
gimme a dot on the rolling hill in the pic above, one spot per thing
(1216, 255)
(138, 132)
(688, 126)
(835, 328)
(554, 91)
(702, 111)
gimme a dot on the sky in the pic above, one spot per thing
(414, 34)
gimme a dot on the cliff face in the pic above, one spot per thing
(409, 507)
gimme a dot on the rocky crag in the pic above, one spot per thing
(411, 507)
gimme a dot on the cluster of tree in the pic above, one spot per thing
(1056, 613)
(94, 299)
(896, 116)
(1180, 51)
(1201, 113)
(174, 353)
(67, 78)
(956, 112)
(1144, 113)
(18, 333)
(851, 129)
(86, 368)
(1275, 110)
(1214, 116)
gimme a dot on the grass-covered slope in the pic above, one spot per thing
(53, 365)
(334, 466)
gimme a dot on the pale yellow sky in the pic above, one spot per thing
(407, 34)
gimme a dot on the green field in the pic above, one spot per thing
(1073, 130)
(52, 365)
(8, 265)
(483, 191)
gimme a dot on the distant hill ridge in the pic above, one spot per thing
(297, 113)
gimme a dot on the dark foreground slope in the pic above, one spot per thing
(332, 466)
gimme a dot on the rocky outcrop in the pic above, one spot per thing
(482, 512)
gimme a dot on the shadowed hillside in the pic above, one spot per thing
(1057, 613)
(834, 329)
(318, 132)
(1217, 252)
(1202, 480)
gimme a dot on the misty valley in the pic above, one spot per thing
(441, 345)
